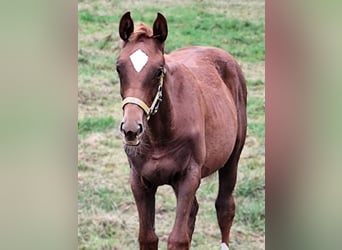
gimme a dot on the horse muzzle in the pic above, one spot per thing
(131, 127)
(131, 133)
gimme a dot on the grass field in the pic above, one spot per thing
(107, 216)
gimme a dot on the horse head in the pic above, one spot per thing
(141, 69)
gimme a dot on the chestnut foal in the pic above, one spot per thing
(184, 117)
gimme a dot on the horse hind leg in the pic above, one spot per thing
(225, 205)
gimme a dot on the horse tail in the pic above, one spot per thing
(241, 107)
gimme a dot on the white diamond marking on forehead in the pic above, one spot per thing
(138, 59)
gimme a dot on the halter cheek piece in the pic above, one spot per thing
(149, 111)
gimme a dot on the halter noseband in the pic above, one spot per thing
(149, 111)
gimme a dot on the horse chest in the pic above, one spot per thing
(161, 168)
(158, 170)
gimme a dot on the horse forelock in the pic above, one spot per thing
(141, 31)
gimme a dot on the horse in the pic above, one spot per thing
(184, 117)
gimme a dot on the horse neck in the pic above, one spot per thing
(161, 124)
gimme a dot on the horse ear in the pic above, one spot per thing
(160, 28)
(126, 26)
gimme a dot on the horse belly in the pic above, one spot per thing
(221, 132)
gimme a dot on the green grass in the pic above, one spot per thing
(239, 37)
(91, 125)
(106, 210)
(191, 25)
(85, 16)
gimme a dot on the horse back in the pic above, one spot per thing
(198, 59)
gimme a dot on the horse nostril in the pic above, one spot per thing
(121, 127)
(141, 129)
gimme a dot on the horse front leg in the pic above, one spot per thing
(185, 189)
(145, 202)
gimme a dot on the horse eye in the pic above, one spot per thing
(118, 70)
(159, 73)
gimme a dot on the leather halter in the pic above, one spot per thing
(149, 111)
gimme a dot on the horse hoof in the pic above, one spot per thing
(224, 246)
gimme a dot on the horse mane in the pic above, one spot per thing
(141, 31)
